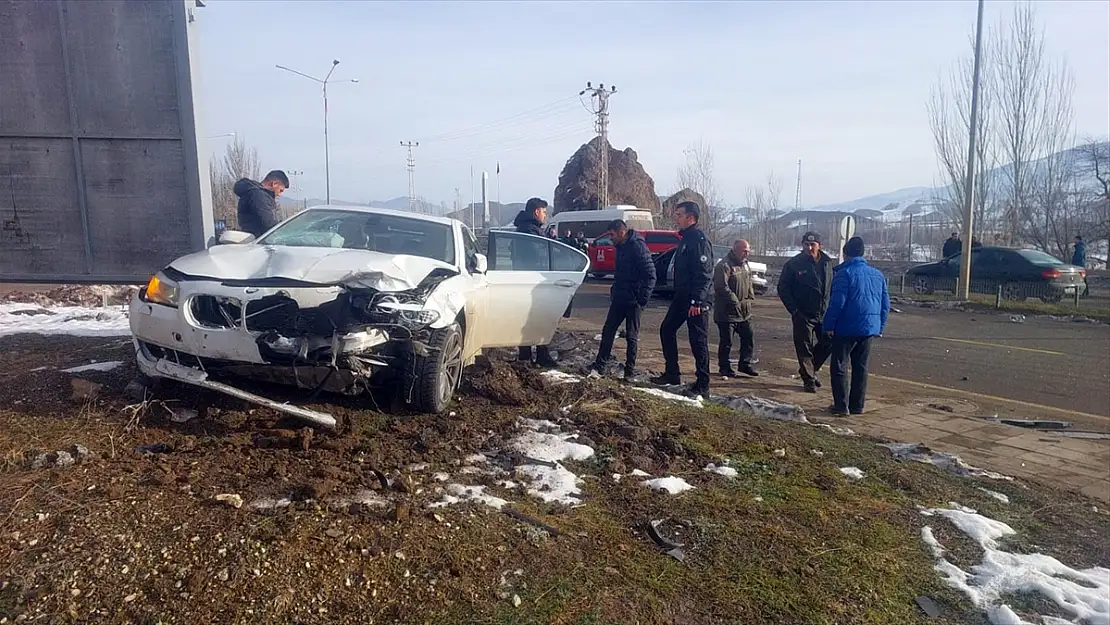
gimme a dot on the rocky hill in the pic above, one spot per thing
(629, 183)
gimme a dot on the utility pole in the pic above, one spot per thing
(411, 164)
(601, 95)
(473, 223)
(798, 188)
(324, 83)
(293, 173)
(969, 180)
(458, 203)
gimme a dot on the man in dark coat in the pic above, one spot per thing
(530, 221)
(952, 246)
(1079, 259)
(733, 296)
(804, 287)
(633, 282)
(857, 312)
(257, 210)
(693, 283)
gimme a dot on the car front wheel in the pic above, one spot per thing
(436, 376)
(922, 285)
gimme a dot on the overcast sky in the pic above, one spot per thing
(842, 85)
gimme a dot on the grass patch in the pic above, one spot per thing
(1093, 307)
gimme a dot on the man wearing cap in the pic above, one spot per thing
(804, 289)
(858, 310)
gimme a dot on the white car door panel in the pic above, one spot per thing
(531, 283)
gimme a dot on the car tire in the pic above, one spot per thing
(1053, 297)
(435, 378)
(923, 285)
(1013, 292)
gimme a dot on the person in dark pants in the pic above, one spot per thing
(1079, 259)
(804, 289)
(257, 210)
(693, 282)
(633, 282)
(733, 296)
(530, 221)
(952, 246)
(858, 310)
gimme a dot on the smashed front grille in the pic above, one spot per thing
(273, 312)
(211, 311)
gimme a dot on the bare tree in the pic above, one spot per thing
(1049, 215)
(239, 161)
(949, 110)
(1095, 161)
(698, 173)
(763, 203)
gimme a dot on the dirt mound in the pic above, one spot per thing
(87, 296)
(579, 181)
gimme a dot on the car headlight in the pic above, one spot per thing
(161, 290)
(410, 313)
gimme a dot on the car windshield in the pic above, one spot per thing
(1039, 258)
(376, 232)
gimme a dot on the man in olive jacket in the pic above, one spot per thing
(804, 288)
(733, 295)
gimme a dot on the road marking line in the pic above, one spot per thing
(983, 344)
(935, 387)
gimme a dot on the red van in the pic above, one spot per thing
(603, 255)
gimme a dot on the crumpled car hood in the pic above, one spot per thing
(317, 265)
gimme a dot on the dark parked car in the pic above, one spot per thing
(1020, 273)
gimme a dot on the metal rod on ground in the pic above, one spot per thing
(902, 284)
(969, 180)
(998, 298)
(1076, 293)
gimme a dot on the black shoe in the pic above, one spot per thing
(631, 376)
(809, 387)
(667, 379)
(748, 371)
(838, 412)
(547, 363)
(817, 382)
(727, 373)
(694, 390)
(855, 413)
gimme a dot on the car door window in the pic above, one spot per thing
(566, 258)
(470, 248)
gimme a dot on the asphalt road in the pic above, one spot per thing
(1040, 363)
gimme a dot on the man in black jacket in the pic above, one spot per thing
(530, 221)
(952, 246)
(633, 282)
(804, 288)
(693, 282)
(257, 211)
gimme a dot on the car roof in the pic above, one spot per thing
(385, 211)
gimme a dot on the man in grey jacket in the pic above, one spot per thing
(733, 296)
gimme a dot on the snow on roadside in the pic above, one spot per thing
(853, 472)
(949, 462)
(1084, 594)
(661, 394)
(94, 366)
(726, 471)
(63, 320)
(670, 484)
(999, 496)
(764, 408)
(458, 493)
(558, 377)
(550, 481)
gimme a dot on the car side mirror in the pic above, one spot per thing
(481, 263)
(235, 237)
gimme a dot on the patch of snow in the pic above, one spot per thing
(837, 429)
(95, 366)
(458, 493)
(670, 484)
(949, 462)
(558, 377)
(617, 477)
(817, 452)
(475, 459)
(852, 472)
(63, 320)
(640, 473)
(728, 472)
(764, 408)
(661, 394)
(270, 504)
(365, 497)
(1085, 594)
(420, 466)
(999, 496)
(539, 424)
(440, 476)
(551, 447)
(551, 484)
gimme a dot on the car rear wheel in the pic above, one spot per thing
(922, 285)
(1013, 292)
(436, 376)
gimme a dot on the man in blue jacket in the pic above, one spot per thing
(858, 309)
(633, 282)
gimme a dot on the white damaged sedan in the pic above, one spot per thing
(345, 299)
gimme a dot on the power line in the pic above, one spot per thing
(601, 95)
(558, 106)
(411, 165)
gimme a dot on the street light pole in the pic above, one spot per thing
(324, 83)
(969, 178)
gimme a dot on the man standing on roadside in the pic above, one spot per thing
(257, 211)
(733, 296)
(952, 246)
(804, 289)
(858, 310)
(530, 221)
(633, 282)
(693, 281)
(1079, 259)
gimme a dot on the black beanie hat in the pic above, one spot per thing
(854, 247)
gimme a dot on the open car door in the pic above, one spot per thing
(531, 283)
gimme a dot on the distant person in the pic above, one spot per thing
(858, 310)
(569, 239)
(582, 242)
(633, 282)
(693, 286)
(257, 210)
(952, 246)
(804, 290)
(976, 243)
(1079, 259)
(733, 297)
(525, 254)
